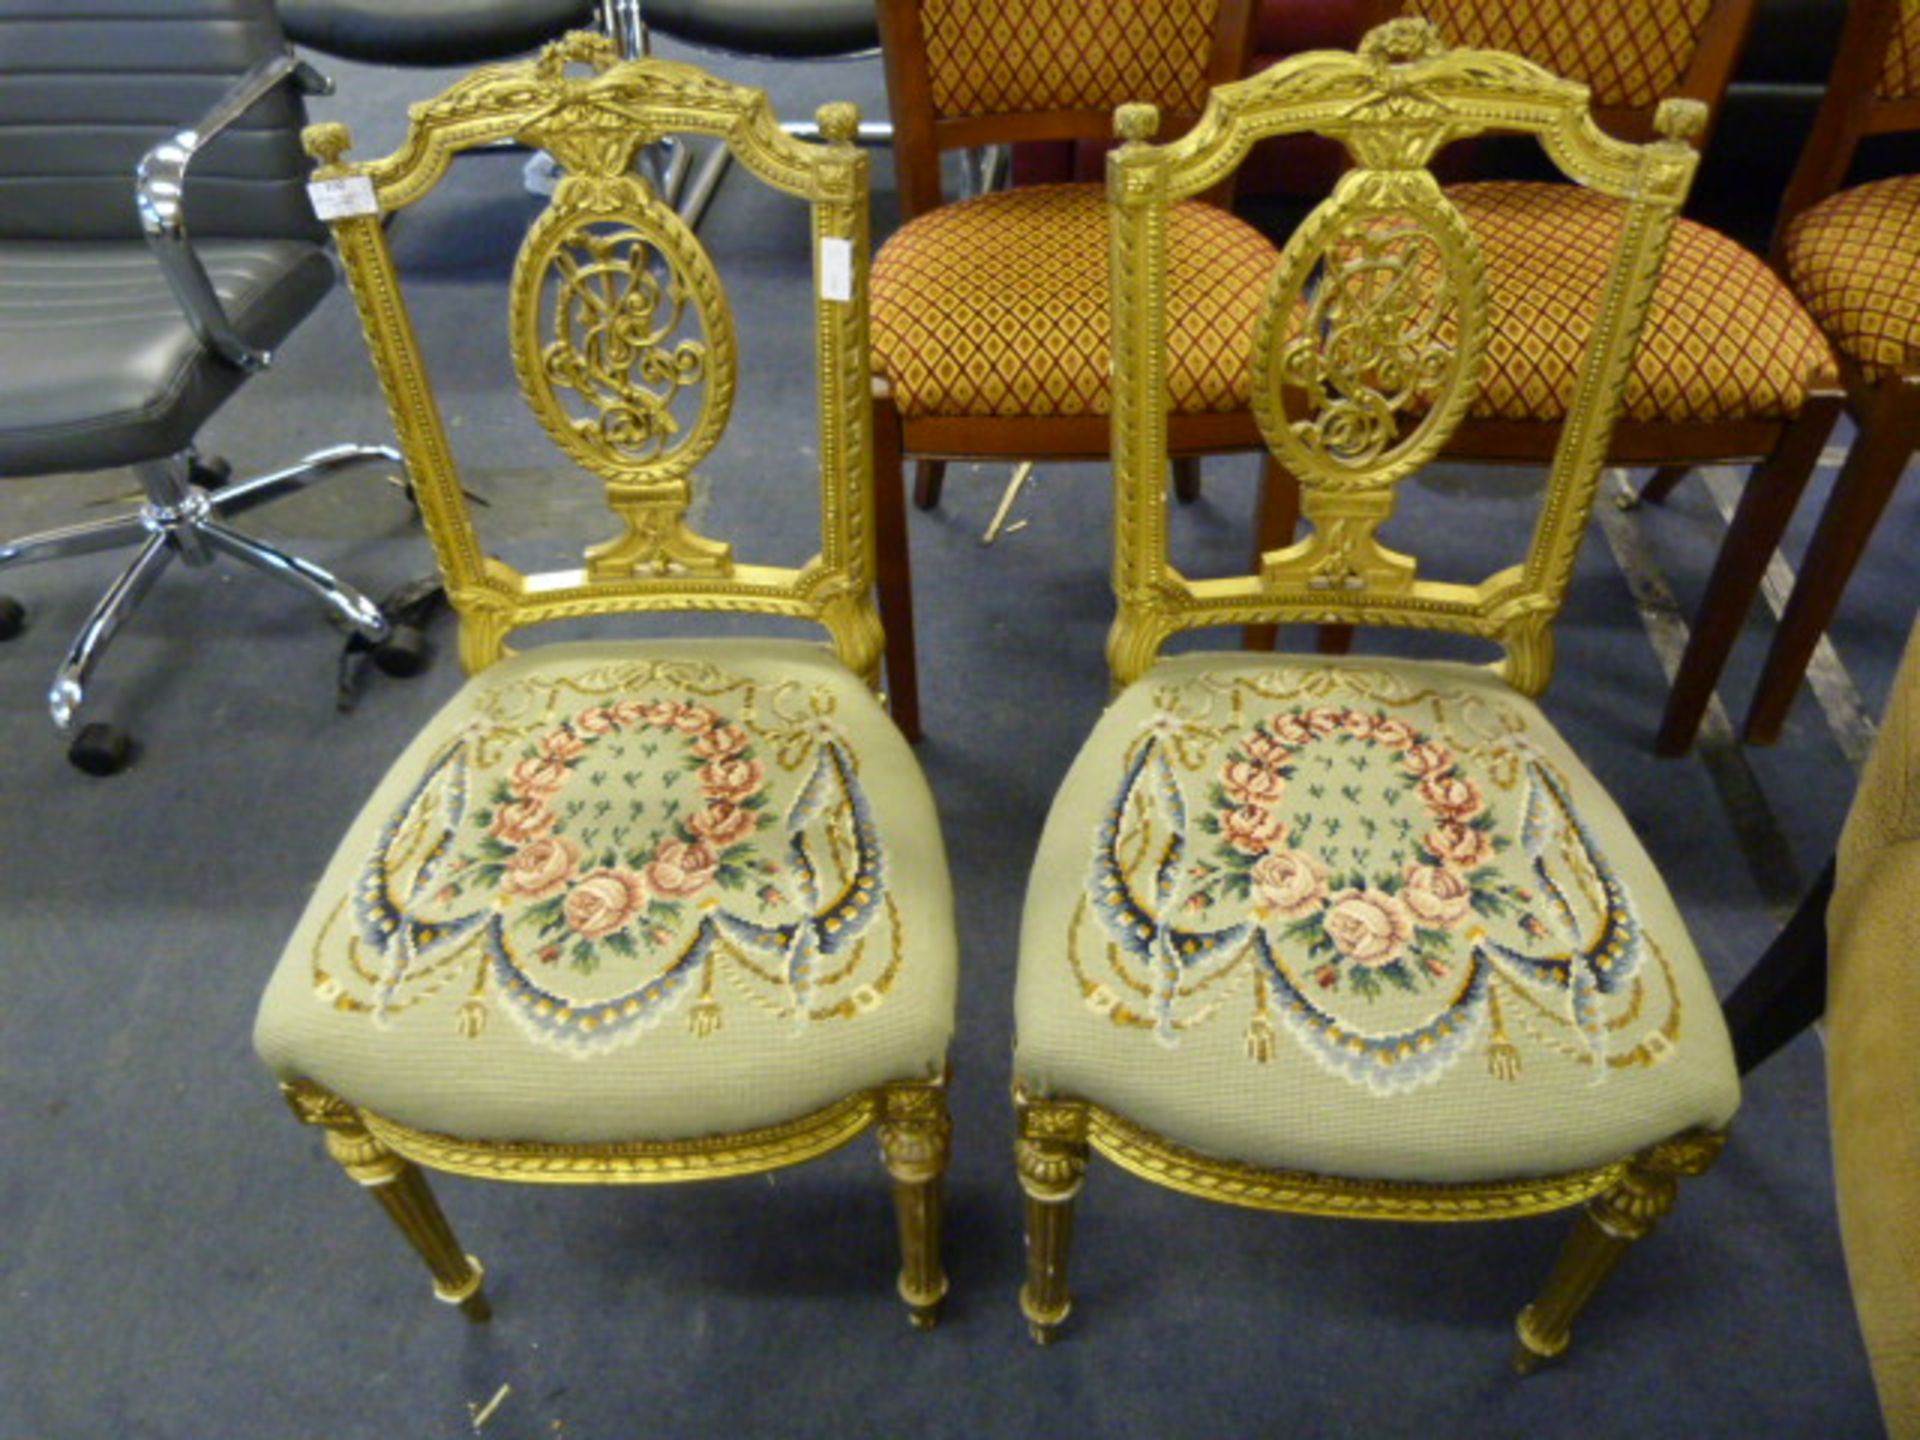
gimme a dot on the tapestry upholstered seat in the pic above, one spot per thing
(639, 891)
(629, 910)
(1360, 920)
(1363, 937)
(998, 305)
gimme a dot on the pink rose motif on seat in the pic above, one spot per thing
(681, 869)
(1253, 784)
(1369, 927)
(603, 902)
(721, 741)
(1461, 846)
(1355, 841)
(1289, 882)
(732, 779)
(1252, 828)
(1452, 798)
(597, 720)
(520, 821)
(723, 822)
(1437, 895)
(537, 777)
(542, 867)
(580, 866)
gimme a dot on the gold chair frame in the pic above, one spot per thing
(594, 124)
(1394, 104)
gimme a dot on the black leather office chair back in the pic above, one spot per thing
(90, 85)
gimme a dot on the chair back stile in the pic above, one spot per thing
(623, 342)
(962, 74)
(1874, 90)
(1369, 349)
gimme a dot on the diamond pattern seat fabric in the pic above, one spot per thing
(1359, 919)
(1066, 56)
(1855, 259)
(100, 368)
(999, 306)
(1627, 55)
(1724, 339)
(620, 892)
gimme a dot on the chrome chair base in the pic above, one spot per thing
(186, 521)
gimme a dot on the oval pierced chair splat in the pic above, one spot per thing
(629, 911)
(1345, 937)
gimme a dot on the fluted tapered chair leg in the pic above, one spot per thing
(400, 1189)
(1609, 1224)
(915, 1142)
(1052, 1156)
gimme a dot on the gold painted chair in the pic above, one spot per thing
(627, 911)
(1362, 937)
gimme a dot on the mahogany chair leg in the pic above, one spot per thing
(1276, 520)
(894, 567)
(1662, 482)
(1767, 504)
(1186, 478)
(928, 476)
(1889, 434)
(1786, 990)
(1334, 639)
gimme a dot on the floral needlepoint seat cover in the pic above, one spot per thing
(618, 893)
(1361, 919)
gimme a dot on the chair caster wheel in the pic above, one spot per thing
(210, 474)
(13, 617)
(403, 653)
(100, 749)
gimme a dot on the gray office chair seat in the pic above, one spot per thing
(430, 32)
(101, 371)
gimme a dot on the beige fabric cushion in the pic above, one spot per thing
(619, 891)
(1368, 919)
(1873, 1077)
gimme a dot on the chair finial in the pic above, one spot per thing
(327, 143)
(1402, 41)
(1679, 119)
(839, 121)
(1137, 123)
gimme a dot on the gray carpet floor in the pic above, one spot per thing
(180, 1259)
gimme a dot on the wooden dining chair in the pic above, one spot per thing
(1853, 255)
(990, 315)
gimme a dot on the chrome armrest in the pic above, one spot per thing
(160, 195)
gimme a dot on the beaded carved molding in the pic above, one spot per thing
(592, 853)
(622, 339)
(1370, 346)
(1394, 879)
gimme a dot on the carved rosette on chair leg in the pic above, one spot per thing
(1611, 1222)
(1052, 1157)
(402, 1192)
(916, 1137)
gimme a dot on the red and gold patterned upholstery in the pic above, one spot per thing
(999, 306)
(1855, 259)
(1629, 55)
(983, 59)
(1725, 338)
(1900, 71)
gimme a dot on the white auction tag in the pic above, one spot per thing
(836, 268)
(343, 198)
